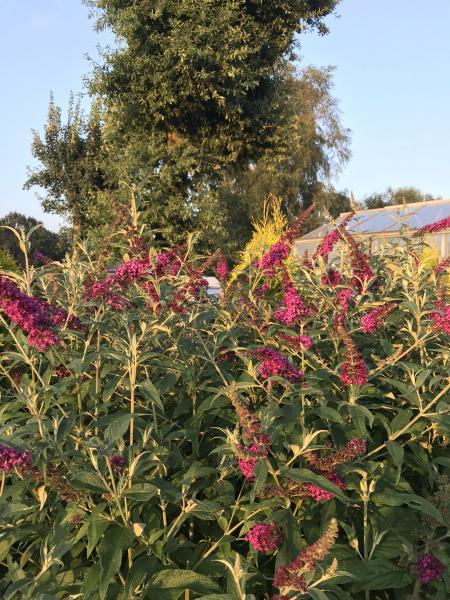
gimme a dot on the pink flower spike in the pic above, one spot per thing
(320, 495)
(275, 363)
(277, 255)
(373, 319)
(264, 537)
(222, 269)
(331, 278)
(433, 227)
(11, 458)
(428, 568)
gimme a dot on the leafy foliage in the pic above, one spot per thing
(198, 93)
(72, 169)
(50, 244)
(7, 262)
(143, 447)
(392, 197)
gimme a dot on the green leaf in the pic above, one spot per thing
(400, 420)
(151, 393)
(307, 476)
(442, 460)
(360, 415)
(143, 567)
(414, 502)
(260, 473)
(325, 412)
(110, 551)
(317, 594)
(96, 527)
(408, 391)
(88, 480)
(396, 451)
(182, 579)
(377, 574)
(15, 587)
(117, 428)
(140, 491)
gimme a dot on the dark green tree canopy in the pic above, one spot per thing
(202, 72)
(51, 244)
(194, 92)
(392, 197)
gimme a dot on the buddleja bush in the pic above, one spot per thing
(286, 440)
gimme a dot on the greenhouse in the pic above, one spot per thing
(389, 224)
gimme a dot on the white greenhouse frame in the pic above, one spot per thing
(387, 224)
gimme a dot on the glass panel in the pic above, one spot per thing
(394, 219)
(302, 247)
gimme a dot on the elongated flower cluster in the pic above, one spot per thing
(275, 363)
(343, 298)
(279, 252)
(297, 341)
(276, 256)
(327, 464)
(332, 277)
(131, 270)
(374, 318)
(354, 369)
(320, 495)
(168, 262)
(257, 442)
(62, 371)
(264, 537)
(329, 242)
(294, 308)
(441, 317)
(34, 316)
(359, 261)
(11, 458)
(428, 568)
(442, 266)
(433, 227)
(249, 456)
(290, 578)
(192, 289)
(295, 229)
(105, 290)
(56, 479)
(136, 270)
(222, 268)
(327, 245)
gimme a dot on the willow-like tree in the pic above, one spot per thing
(306, 148)
(192, 92)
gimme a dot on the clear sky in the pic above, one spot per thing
(392, 78)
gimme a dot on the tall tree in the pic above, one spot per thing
(70, 166)
(192, 91)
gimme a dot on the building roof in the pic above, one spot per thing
(388, 219)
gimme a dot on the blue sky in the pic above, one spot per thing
(392, 61)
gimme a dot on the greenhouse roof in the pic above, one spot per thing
(389, 219)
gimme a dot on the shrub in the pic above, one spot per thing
(287, 440)
(7, 263)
